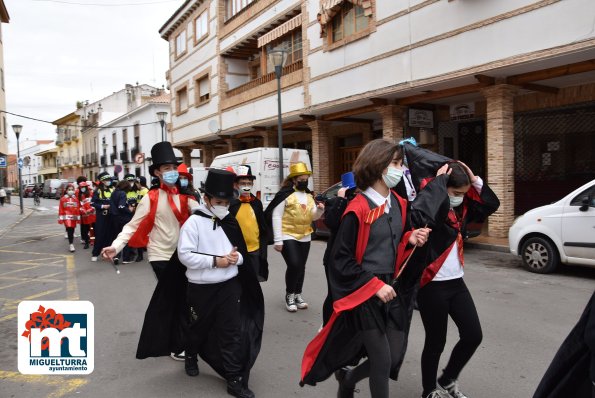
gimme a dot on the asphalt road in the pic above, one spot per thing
(524, 316)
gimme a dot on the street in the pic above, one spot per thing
(524, 316)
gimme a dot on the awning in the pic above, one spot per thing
(281, 30)
(330, 8)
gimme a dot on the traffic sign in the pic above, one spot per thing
(118, 168)
(3, 161)
(139, 158)
(20, 163)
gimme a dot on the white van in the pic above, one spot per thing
(264, 163)
(50, 186)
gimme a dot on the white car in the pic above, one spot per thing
(562, 232)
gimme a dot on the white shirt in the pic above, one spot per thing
(277, 219)
(452, 268)
(378, 199)
(197, 235)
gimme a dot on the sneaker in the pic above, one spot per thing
(453, 389)
(299, 302)
(127, 261)
(438, 392)
(71, 248)
(178, 357)
(191, 365)
(86, 246)
(236, 388)
(139, 257)
(83, 242)
(94, 258)
(290, 303)
(65, 235)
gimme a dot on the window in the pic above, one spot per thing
(181, 43)
(233, 7)
(201, 27)
(292, 43)
(202, 89)
(588, 193)
(182, 100)
(349, 21)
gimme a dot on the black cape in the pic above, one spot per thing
(167, 318)
(234, 207)
(268, 213)
(422, 163)
(572, 371)
(204, 337)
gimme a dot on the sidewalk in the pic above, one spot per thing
(488, 243)
(10, 215)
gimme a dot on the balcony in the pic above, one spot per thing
(59, 141)
(113, 157)
(75, 135)
(67, 137)
(124, 156)
(85, 159)
(103, 161)
(94, 158)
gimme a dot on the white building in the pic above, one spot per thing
(32, 163)
(514, 76)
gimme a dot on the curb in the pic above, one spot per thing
(487, 246)
(27, 212)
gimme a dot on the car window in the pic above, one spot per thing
(332, 191)
(578, 199)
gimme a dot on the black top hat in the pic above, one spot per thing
(219, 184)
(244, 171)
(162, 153)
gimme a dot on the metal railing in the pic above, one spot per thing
(264, 79)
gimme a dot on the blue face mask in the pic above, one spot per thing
(183, 182)
(170, 177)
(107, 183)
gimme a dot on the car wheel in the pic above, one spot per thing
(540, 255)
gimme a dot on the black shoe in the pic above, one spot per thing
(139, 257)
(236, 388)
(86, 245)
(344, 391)
(191, 365)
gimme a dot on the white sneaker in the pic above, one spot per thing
(299, 302)
(178, 357)
(438, 392)
(65, 235)
(94, 258)
(453, 389)
(290, 303)
(71, 248)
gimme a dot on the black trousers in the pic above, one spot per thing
(437, 301)
(70, 232)
(85, 232)
(103, 234)
(295, 255)
(217, 306)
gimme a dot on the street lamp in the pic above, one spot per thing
(161, 117)
(17, 131)
(278, 58)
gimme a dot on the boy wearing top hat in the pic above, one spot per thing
(156, 225)
(248, 210)
(222, 288)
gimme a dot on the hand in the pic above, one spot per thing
(233, 256)
(108, 253)
(105, 206)
(320, 205)
(386, 293)
(342, 192)
(419, 237)
(472, 177)
(222, 262)
(444, 170)
(278, 247)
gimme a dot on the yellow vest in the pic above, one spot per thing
(297, 218)
(104, 195)
(249, 226)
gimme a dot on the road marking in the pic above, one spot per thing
(26, 280)
(13, 304)
(63, 385)
(71, 285)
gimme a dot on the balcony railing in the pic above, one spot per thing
(113, 157)
(94, 157)
(67, 138)
(264, 79)
(103, 161)
(124, 156)
(59, 141)
(75, 135)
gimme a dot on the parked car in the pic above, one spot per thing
(562, 232)
(61, 190)
(28, 190)
(50, 186)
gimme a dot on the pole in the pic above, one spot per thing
(162, 122)
(20, 177)
(278, 71)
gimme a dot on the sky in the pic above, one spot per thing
(58, 52)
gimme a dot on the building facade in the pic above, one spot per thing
(127, 149)
(508, 86)
(31, 161)
(48, 167)
(4, 18)
(70, 146)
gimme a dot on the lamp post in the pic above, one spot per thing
(104, 145)
(278, 58)
(17, 131)
(161, 117)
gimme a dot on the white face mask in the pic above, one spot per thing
(220, 211)
(245, 189)
(455, 200)
(70, 193)
(392, 177)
